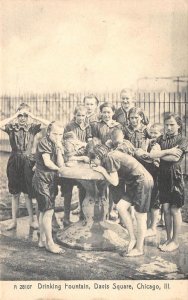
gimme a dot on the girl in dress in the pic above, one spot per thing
(139, 185)
(136, 132)
(171, 184)
(49, 160)
(19, 168)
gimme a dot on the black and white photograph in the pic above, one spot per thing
(93, 149)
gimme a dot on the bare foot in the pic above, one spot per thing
(12, 226)
(42, 244)
(151, 232)
(135, 252)
(54, 248)
(161, 246)
(34, 225)
(76, 211)
(131, 245)
(172, 246)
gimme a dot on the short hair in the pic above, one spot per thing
(177, 118)
(79, 108)
(116, 131)
(107, 104)
(54, 124)
(128, 92)
(99, 150)
(91, 96)
(135, 110)
(24, 106)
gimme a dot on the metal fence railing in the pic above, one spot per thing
(60, 106)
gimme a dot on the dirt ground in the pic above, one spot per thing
(21, 259)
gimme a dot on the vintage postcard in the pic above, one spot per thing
(93, 149)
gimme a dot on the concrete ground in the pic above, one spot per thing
(21, 259)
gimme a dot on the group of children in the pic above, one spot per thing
(141, 163)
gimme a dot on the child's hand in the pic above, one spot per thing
(86, 159)
(99, 169)
(175, 151)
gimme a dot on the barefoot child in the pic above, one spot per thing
(49, 160)
(74, 151)
(153, 168)
(171, 184)
(82, 130)
(19, 168)
(138, 183)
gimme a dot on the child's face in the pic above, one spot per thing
(154, 133)
(135, 119)
(126, 101)
(171, 126)
(22, 119)
(91, 105)
(107, 114)
(56, 134)
(80, 117)
(117, 138)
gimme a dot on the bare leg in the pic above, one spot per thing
(42, 239)
(141, 232)
(15, 206)
(152, 230)
(122, 208)
(177, 220)
(28, 202)
(47, 226)
(168, 224)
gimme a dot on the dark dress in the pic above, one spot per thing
(20, 163)
(153, 168)
(135, 183)
(137, 137)
(121, 116)
(44, 179)
(171, 183)
(83, 132)
(102, 130)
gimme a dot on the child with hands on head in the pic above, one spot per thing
(22, 128)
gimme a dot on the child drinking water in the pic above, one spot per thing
(171, 184)
(49, 160)
(19, 168)
(102, 130)
(82, 130)
(138, 183)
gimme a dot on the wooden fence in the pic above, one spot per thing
(60, 106)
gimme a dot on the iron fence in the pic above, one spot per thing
(60, 106)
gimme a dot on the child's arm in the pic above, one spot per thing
(112, 178)
(49, 163)
(60, 159)
(9, 120)
(161, 153)
(38, 119)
